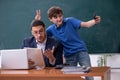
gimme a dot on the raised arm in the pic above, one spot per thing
(38, 15)
(92, 22)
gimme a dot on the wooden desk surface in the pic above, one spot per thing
(54, 73)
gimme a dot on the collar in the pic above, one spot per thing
(43, 43)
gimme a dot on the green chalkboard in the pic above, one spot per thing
(16, 16)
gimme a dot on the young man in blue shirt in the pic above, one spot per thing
(65, 29)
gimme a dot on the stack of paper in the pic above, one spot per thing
(75, 70)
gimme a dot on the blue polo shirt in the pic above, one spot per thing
(67, 33)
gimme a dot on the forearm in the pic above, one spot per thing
(88, 24)
(92, 22)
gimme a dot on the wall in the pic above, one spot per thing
(112, 60)
(16, 16)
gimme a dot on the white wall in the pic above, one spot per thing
(112, 60)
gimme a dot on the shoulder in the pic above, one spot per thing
(53, 40)
(72, 20)
(29, 39)
(28, 42)
(69, 18)
(51, 27)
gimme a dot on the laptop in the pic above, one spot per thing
(18, 58)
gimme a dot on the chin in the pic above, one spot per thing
(40, 41)
(60, 24)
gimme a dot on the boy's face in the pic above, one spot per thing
(58, 19)
(39, 33)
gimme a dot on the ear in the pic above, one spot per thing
(31, 32)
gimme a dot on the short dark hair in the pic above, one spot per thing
(54, 11)
(37, 23)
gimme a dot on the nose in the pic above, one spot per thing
(39, 34)
(58, 18)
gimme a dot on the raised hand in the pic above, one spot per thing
(97, 19)
(49, 54)
(38, 15)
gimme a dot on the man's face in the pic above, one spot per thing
(58, 19)
(39, 33)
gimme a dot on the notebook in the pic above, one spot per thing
(18, 58)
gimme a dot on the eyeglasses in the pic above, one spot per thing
(38, 32)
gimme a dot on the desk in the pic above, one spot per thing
(52, 74)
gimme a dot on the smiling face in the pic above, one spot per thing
(58, 19)
(56, 15)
